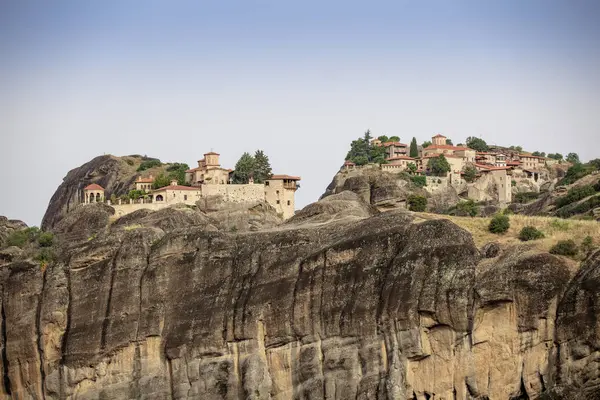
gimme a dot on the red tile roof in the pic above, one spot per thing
(397, 144)
(281, 177)
(440, 154)
(347, 162)
(400, 158)
(211, 153)
(445, 147)
(93, 186)
(175, 187)
(438, 135)
(516, 163)
(144, 180)
(490, 167)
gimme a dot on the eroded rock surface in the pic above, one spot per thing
(330, 305)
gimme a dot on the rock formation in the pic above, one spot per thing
(340, 302)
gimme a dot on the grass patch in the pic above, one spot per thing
(555, 229)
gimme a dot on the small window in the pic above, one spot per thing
(278, 202)
(185, 196)
(277, 191)
(289, 202)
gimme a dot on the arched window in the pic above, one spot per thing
(98, 198)
(91, 197)
(159, 197)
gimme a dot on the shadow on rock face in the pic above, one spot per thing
(346, 204)
(83, 222)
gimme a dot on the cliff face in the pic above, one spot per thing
(341, 302)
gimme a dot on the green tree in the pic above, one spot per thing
(367, 137)
(45, 239)
(573, 158)
(383, 138)
(555, 156)
(426, 144)
(149, 163)
(439, 166)
(377, 154)
(470, 173)
(477, 144)
(417, 203)
(412, 168)
(449, 142)
(160, 181)
(414, 148)
(467, 207)
(536, 153)
(177, 172)
(519, 149)
(262, 167)
(394, 138)
(565, 248)
(419, 180)
(244, 168)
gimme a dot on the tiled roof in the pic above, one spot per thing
(211, 153)
(281, 177)
(531, 156)
(399, 158)
(348, 162)
(490, 167)
(175, 187)
(93, 186)
(445, 147)
(397, 144)
(440, 136)
(440, 154)
(144, 180)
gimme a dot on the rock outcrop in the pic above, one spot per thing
(365, 305)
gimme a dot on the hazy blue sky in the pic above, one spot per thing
(301, 79)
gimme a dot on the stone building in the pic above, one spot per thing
(395, 149)
(93, 193)
(280, 193)
(209, 171)
(144, 184)
(438, 140)
(175, 194)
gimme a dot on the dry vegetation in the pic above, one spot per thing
(554, 229)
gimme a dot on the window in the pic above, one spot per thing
(289, 202)
(277, 191)
(267, 183)
(185, 196)
(159, 198)
(278, 202)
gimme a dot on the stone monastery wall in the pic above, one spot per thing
(236, 193)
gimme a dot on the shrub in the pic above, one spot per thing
(587, 244)
(149, 163)
(513, 183)
(565, 248)
(22, 237)
(468, 207)
(46, 239)
(470, 173)
(530, 233)
(580, 208)
(526, 197)
(575, 194)
(129, 161)
(417, 203)
(499, 224)
(419, 180)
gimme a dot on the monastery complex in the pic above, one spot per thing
(208, 179)
(499, 170)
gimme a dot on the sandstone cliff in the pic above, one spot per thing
(115, 174)
(340, 302)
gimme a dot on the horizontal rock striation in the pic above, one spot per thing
(169, 305)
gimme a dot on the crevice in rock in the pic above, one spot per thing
(105, 322)
(295, 329)
(171, 383)
(38, 329)
(65, 338)
(542, 383)
(6, 378)
(321, 301)
(143, 275)
(381, 303)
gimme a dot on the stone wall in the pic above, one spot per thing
(236, 193)
(123, 209)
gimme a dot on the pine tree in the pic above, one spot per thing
(414, 149)
(262, 167)
(243, 169)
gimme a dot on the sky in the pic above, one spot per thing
(297, 79)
